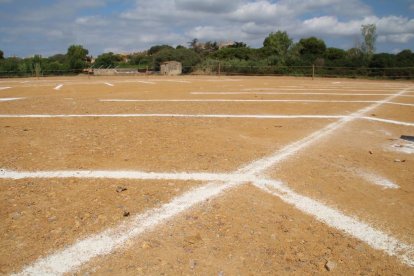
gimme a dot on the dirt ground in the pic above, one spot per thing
(243, 230)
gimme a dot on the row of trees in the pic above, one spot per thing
(278, 55)
(73, 62)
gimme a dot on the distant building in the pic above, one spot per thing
(171, 68)
(225, 44)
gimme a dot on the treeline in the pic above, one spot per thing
(73, 62)
(278, 55)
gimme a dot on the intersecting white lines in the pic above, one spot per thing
(71, 257)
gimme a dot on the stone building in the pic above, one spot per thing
(171, 68)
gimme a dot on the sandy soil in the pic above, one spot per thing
(244, 230)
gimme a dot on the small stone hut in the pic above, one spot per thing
(171, 68)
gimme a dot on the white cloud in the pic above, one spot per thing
(90, 21)
(396, 38)
(209, 6)
(146, 23)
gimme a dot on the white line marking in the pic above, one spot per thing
(178, 81)
(4, 88)
(334, 218)
(9, 99)
(403, 104)
(24, 81)
(146, 82)
(109, 84)
(315, 89)
(174, 116)
(404, 147)
(58, 87)
(10, 174)
(388, 121)
(247, 101)
(377, 180)
(105, 242)
(293, 93)
(241, 116)
(221, 80)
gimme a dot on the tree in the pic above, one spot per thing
(155, 49)
(405, 58)
(229, 53)
(278, 44)
(77, 57)
(1, 54)
(335, 53)
(312, 48)
(210, 47)
(369, 33)
(195, 45)
(238, 44)
(187, 57)
(107, 60)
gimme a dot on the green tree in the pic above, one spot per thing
(1, 54)
(333, 54)
(195, 45)
(405, 58)
(210, 47)
(312, 48)
(229, 53)
(77, 57)
(238, 44)
(369, 33)
(187, 57)
(277, 45)
(155, 49)
(107, 60)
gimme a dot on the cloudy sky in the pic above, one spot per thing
(48, 27)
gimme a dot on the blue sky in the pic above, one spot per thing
(48, 27)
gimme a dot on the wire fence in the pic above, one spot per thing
(231, 69)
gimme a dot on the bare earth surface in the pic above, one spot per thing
(359, 168)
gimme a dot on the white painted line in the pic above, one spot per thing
(198, 176)
(388, 121)
(105, 242)
(404, 147)
(178, 81)
(231, 100)
(293, 93)
(109, 84)
(264, 163)
(221, 80)
(146, 82)
(234, 116)
(276, 89)
(336, 219)
(9, 99)
(5, 87)
(58, 87)
(174, 116)
(247, 101)
(24, 81)
(403, 104)
(377, 180)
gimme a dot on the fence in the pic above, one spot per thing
(222, 68)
